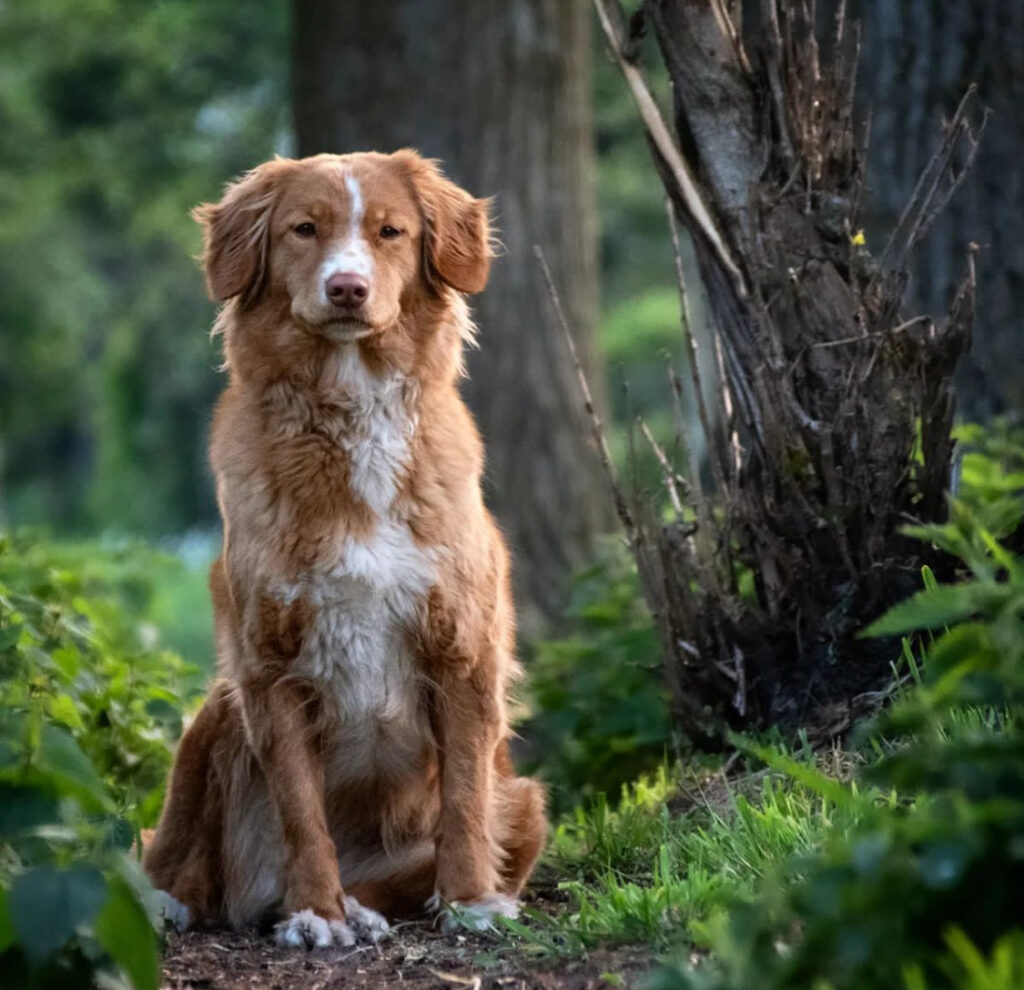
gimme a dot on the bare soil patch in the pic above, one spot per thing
(416, 957)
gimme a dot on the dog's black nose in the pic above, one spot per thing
(347, 289)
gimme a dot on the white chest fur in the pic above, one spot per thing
(365, 594)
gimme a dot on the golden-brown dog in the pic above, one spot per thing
(352, 761)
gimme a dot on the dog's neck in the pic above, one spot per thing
(266, 350)
(343, 396)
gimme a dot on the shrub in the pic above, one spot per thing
(600, 708)
(89, 707)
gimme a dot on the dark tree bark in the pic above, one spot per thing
(501, 93)
(918, 59)
(815, 472)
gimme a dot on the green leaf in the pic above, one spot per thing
(47, 905)
(62, 757)
(969, 640)
(937, 607)
(833, 790)
(62, 709)
(67, 660)
(9, 635)
(123, 929)
(23, 808)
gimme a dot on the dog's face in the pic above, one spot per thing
(347, 240)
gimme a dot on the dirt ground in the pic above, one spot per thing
(415, 956)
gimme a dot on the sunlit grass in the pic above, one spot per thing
(680, 847)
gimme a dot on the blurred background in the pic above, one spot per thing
(118, 116)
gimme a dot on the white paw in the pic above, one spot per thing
(174, 913)
(477, 915)
(368, 925)
(304, 929)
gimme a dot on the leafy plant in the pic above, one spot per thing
(77, 652)
(925, 893)
(89, 705)
(678, 848)
(600, 707)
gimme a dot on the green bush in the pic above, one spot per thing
(926, 893)
(89, 707)
(992, 461)
(600, 707)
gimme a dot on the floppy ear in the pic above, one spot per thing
(236, 234)
(457, 238)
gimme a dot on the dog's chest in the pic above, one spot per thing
(365, 592)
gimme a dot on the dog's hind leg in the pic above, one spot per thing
(183, 858)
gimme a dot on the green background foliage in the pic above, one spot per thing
(118, 117)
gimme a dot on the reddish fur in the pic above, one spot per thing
(284, 487)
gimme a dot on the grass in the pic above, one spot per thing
(679, 848)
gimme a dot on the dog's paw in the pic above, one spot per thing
(305, 929)
(175, 914)
(477, 915)
(368, 925)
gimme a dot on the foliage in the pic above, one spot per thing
(118, 117)
(925, 893)
(992, 465)
(678, 848)
(78, 655)
(600, 709)
(89, 705)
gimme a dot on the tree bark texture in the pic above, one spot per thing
(918, 59)
(827, 377)
(501, 93)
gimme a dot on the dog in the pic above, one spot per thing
(351, 763)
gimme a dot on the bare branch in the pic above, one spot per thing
(667, 471)
(927, 200)
(596, 426)
(610, 15)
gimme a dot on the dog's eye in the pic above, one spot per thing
(305, 230)
(388, 232)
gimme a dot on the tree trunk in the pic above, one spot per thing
(501, 93)
(918, 59)
(816, 472)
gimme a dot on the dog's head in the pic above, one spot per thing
(347, 240)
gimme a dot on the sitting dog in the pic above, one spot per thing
(352, 760)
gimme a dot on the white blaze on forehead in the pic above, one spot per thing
(349, 252)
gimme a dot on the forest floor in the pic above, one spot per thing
(415, 956)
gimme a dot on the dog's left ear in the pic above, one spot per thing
(457, 238)
(236, 234)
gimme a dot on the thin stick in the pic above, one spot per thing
(909, 229)
(596, 426)
(666, 468)
(610, 15)
(871, 336)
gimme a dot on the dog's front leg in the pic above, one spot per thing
(469, 723)
(280, 732)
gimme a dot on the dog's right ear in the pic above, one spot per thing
(236, 234)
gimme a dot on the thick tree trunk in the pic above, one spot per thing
(501, 93)
(816, 473)
(918, 59)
